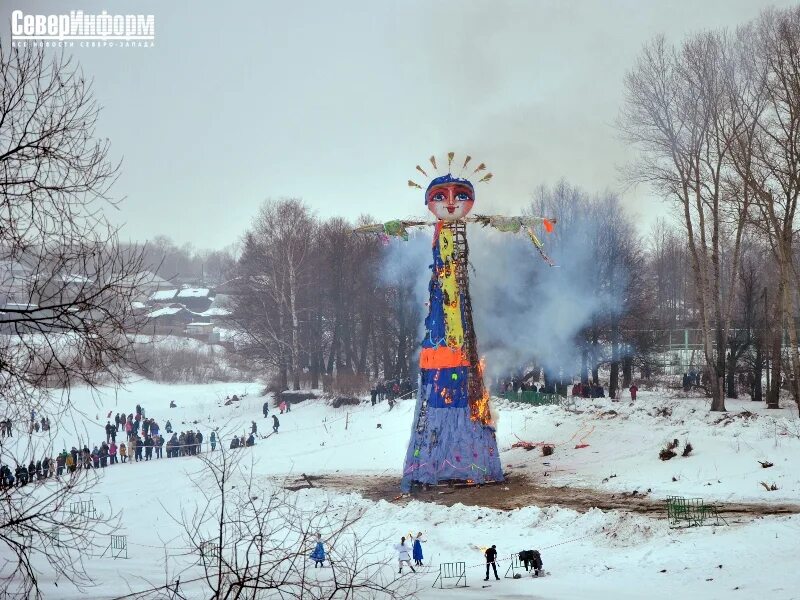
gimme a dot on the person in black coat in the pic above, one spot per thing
(148, 448)
(491, 558)
(250, 441)
(265, 408)
(159, 445)
(275, 423)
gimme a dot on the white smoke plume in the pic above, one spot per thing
(523, 309)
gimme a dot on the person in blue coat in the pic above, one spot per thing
(417, 549)
(318, 555)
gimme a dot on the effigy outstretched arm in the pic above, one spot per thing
(396, 228)
(399, 228)
(515, 224)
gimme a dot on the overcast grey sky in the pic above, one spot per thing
(335, 102)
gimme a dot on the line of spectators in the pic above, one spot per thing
(137, 449)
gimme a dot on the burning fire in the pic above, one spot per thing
(479, 407)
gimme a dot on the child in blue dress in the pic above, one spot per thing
(417, 549)
(318, 555)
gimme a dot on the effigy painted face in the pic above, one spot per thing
(450, 201)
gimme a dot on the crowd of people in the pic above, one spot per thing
(579, 389)
(693, 378)
(42, 424)
(390, 390)
(35, 425)
(506, 387)
(143, 441)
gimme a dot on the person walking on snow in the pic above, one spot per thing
(282, 406)
(137, 446)
(254, 428)
(491, 557)
(417, 549)
(403, 556)
(318, 555)
(265, 408)
(633, 389)
(213, 440)
(275, 423)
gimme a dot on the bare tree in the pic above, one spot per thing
(273, 289)
(50, 527)
(254, 541)
(678, 111)
(309, 297)
(66, 284)
(773, 172)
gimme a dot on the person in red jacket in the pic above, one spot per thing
(633, 389)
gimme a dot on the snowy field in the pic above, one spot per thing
(590, 554)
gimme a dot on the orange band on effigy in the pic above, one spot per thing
(442, 357)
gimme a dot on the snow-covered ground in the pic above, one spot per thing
(593, 554)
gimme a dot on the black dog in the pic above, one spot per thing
(531, 558)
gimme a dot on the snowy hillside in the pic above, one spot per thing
(589, 553)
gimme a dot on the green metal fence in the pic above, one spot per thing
(533, 398)
(692, 512)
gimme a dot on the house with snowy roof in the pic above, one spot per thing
(195, 299)
(16, 281)
(174, 315)
(163, 296)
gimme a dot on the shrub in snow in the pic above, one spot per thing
(340, 401)
(547, 450)
(346, 384)
(293, 397)
(172, 359)
(666, 453)
(771, 487)
(687, 449)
